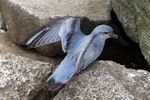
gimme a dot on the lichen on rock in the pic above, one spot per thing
(134, 16)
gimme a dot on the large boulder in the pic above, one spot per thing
(24, 17)
(23, 73)
(21, 78)
(134, 16)
(106, 80)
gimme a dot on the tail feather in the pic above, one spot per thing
(53, 85)
(61, 75)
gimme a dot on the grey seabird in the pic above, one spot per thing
(81, 49)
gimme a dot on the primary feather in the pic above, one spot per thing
(61, 29)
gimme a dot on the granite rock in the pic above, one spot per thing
(134, 16)
(21, 78)
(23, 73)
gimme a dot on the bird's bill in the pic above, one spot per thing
(115, 36)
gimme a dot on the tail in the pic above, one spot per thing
(57, 80)
(62, 74)
(53, 85)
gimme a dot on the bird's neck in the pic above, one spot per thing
(99, 42)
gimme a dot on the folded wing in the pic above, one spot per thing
(85, 53)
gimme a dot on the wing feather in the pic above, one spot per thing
(80, 51)
(66, 29)
(70, 33)
(44, 34)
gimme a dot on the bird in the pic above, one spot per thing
(80, 49)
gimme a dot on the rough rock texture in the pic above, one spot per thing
(24, 17)
(20, 77)
(134, 16)
(106, 80)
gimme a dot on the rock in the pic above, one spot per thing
(135, 21)
(21, 78)
(27, 74)
(106, 80)
(24, 17)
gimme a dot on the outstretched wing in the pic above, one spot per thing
(85, 53)
(70, 33)
(66, 29)
(46, 34)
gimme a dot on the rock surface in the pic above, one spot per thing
(24, 17)
(136, 22)
(106, 80)
(20, 77)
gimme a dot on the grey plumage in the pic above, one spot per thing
(81, 49)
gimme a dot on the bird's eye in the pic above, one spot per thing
(106, 32)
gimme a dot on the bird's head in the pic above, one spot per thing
(105, 31)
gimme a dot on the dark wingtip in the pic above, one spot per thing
(53, 85)
(24, 42)
(28, 46)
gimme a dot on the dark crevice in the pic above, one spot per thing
(123, 50)
(3, 25)
(87, 25)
